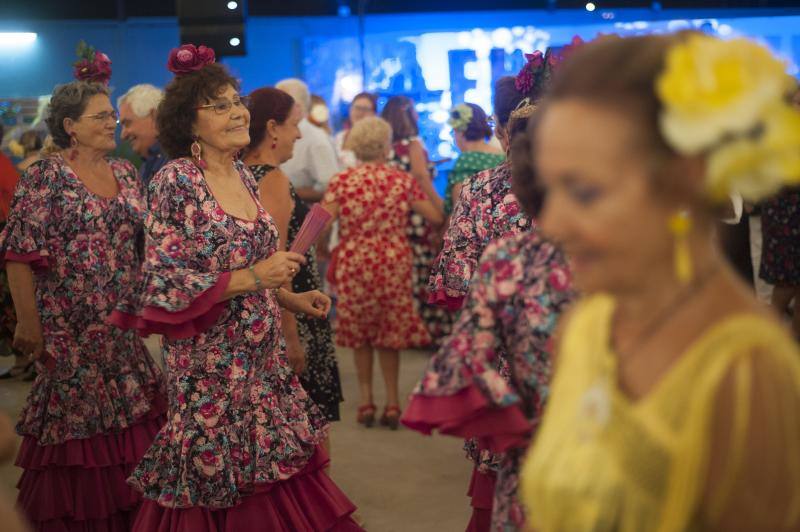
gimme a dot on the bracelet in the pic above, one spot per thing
(252, 269)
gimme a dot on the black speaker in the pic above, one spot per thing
(218, 24)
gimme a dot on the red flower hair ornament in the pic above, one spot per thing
(540, 67)
(188, 58)
(91, 65)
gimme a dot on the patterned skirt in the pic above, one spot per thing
(309, 501)
(81, 484)
(438, 321)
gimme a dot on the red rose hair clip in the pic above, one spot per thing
(188, 58)
(91, 65)
(535, 75)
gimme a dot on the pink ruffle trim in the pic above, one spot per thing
(469, 414)
(441, 299)
(307, 502)
(35, 259)
(201, 315)
(81, 484)
(481, 491)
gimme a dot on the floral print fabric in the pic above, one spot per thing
(238, 415)
(521, 287)
(468, 164)
(373, 259)
(780, 227)
(486, 210)
(94, 378)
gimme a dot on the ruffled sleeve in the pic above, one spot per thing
(462, 393)
(453, 268)
(743, 428)
(178, 294)
(24, 238)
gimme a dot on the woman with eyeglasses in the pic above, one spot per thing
(69, 252)
(241, 449)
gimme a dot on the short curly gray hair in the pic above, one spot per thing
(370, 138)
(69, 101)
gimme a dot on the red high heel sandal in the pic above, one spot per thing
(391, 417)
(366, 415)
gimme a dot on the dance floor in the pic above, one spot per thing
(401, 481)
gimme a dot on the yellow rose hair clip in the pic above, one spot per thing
(727, 99)
(460, 117)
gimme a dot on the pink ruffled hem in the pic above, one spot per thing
(441, 299)
(201, 315)
(80, 485)
(481, 491)
(469, 414)
(35, 259)
(307, 502)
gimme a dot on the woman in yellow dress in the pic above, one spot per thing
(676, 400)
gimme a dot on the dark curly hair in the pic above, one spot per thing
(177, 112)
(69, 101)
(525, 182)
(399, 112)
(267, 104)
(478, 127)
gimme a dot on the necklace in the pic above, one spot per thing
(662, 318)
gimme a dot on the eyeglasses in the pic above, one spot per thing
(105, 115)
(224, 106)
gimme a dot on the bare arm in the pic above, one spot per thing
(419, 170)
(310, 194)
(273, 192)
(429, 211)
(28, 337)
(275, 196)
(753, 477)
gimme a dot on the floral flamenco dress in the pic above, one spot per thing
(240, 449)
(486, 210)
(98, 400)
(520, 289)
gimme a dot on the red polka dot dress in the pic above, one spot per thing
(373, 259)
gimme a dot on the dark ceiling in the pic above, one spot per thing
(121, 9)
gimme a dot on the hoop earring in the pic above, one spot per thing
(197, 152)
(680, 225)
(73, 144)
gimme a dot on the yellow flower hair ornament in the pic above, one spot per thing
(727, 99)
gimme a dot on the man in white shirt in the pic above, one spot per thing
(314, 161)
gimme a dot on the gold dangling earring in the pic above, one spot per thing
(197, 152)
(680, 225)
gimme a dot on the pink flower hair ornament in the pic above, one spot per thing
(91, 65)
(535, 75)
(188, 58)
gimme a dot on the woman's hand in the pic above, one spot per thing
(28, 338)
(279, 269)
(296, 354)
(313, 303)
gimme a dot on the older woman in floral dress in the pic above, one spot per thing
(241, 447)
(373, 263)
(491, 379)
(487, 210)
(69, 250)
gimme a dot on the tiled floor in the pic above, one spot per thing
(401, 481)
